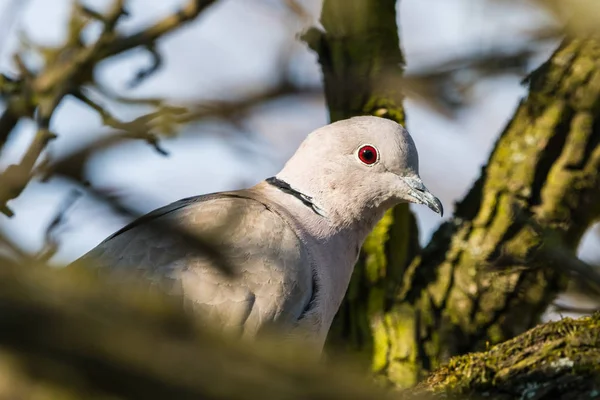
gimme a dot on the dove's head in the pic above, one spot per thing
(358, 165)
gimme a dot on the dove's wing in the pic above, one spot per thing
(272, 282)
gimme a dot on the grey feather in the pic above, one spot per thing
(270, 286)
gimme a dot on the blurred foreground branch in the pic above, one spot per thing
(68, 334)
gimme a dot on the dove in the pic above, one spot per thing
(291, 240)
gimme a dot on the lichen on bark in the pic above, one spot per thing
(539, 191)
(558, 360)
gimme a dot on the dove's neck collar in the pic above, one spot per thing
(304, 198)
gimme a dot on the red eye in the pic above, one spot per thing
(367, 154)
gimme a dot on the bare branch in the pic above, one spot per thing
(140, 128)
(558, 308)
(162, 121)
(563, 259)
(149, 35)
(69, 68)
(51, 241)
(155, 65)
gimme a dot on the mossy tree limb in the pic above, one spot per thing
(359, 48)
(555, 361)
(540, 187)
(538, 194)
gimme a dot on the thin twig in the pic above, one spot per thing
(565, 260)
(151, 34)
(51, 241)
(155, 65)
(558, 308)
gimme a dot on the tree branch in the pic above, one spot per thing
(542, 176)
(555, 361)
(66, 70)
(359, 49)
(68, 334)
(542, 172)
(150, 35)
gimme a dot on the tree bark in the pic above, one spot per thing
(555, 361)
(538, 194)
(488, 273)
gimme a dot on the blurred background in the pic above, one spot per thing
(465, 60)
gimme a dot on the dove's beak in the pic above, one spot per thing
(419, 194)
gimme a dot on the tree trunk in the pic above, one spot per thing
(488, 273)
(525, 215)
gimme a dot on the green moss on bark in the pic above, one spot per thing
(559, 360)
(542, 179)
(541, 186)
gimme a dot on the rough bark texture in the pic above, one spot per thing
(538, 194)
(556, 361)
(536, 197)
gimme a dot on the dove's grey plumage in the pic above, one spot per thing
(293, 239)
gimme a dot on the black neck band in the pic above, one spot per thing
(287, 188)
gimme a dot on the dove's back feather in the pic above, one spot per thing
(273, 279)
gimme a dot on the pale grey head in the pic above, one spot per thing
(356, 165)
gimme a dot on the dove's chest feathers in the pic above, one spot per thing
(332, 262)
(334, 255)
(333, 250)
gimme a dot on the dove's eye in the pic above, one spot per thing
(368, 154)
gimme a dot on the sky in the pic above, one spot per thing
(236, 48)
